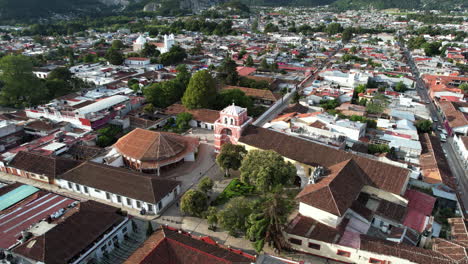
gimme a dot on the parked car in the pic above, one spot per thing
(439, 128)
(443, 138)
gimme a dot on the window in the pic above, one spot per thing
(129, 201)
(103, 248)
(85, 189)
(124, 230)
(314, 246)
(77, 186)
(119, 199)
(108, 197)
(159, 206)
(138, 204)
(375, 261)
(70, 185)
(343, 253)
(295, 241)
(96, 190)
(115, 239)
(150, 208)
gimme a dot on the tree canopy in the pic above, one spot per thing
(265, 225)
(230, 157)
(423, 126)
(266, 170)
(201, 91)
(163, 94)
(233, 216)
(20, 87)
(114, 56)
(228, 71)
(194, 202)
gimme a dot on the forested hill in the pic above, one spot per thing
(37, 9)
(30, 10)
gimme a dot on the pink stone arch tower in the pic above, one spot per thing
(230, 124)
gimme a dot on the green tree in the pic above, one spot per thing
(150, 50)
(423, 126)
(271, 28)
(20, 87)
(117, 44)
(230, 157)
(149, 109)
(249, 61)
(464, 87)
(377, 148)
(266, 170)
(333, 28)
(375, 107)
(266, 224)
(201, 91)
(432, 48)
(228, 71)
(114, 57)
(194, 203)
(175, 55)
(347, 35)
(60, 73)
(205, 184)
(329, 104)
(233, 216)
(400, 87)
(212, 217)
(229, 96)
(183, 119)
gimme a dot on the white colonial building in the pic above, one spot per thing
(120, 186)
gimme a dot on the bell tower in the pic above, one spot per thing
(228, 128)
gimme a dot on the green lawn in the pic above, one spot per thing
(234, 189)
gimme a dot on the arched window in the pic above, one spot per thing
(232, 121)
(225, 120)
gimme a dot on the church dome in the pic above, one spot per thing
(140, 40)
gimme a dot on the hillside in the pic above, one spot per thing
(44, 9)
(31, 10)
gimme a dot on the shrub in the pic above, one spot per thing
(234, 189)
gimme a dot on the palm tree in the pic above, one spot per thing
(267, 226)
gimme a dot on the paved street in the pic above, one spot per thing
(455, 163)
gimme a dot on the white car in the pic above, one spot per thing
(443, 138)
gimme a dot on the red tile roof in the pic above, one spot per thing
(169, 246)
(245, 71)
(382, 175)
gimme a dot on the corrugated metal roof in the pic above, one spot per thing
(102, 104)
(16, 195)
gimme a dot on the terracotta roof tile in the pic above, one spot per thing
(255, 93)
(72, 236)
(204, 115)
(381, 175)
(121, 181)
(336, 192)
(43, 165)
(168, 246)
(155, 148)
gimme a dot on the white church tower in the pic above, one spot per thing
(169, 41)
